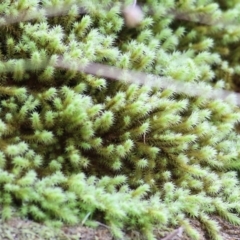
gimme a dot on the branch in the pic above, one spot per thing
(176, 233)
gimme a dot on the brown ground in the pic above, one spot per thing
(17, 229)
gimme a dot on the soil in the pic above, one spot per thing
(17, 229)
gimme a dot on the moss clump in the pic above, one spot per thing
(76, 148)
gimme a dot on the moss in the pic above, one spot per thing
(79, 147)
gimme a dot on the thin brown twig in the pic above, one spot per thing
(128, 76)
(176, 233)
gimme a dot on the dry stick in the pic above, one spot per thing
(129, 76)
(200, 89)
(103, 225)
(134, 3)
(176, 233)
(133, 15)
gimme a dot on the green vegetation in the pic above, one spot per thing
(77, 148)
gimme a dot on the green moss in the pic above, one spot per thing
(76, 145)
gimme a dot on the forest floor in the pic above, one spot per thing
(17, 229)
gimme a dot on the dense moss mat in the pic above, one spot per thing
(79, 148)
